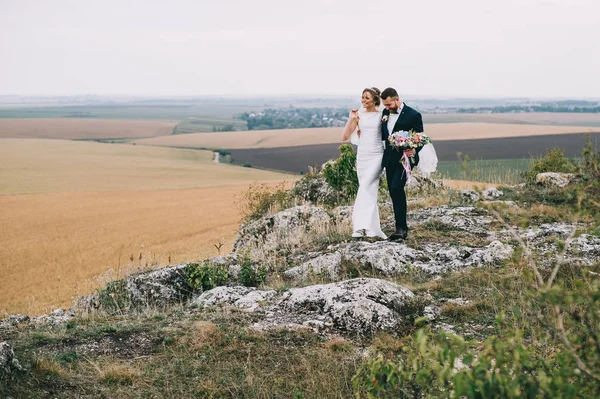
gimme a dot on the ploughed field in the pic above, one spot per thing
(298, 158)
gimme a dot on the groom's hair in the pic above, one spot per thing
(389, 92)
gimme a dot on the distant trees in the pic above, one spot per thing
(576, 106)
(292, 118)
(226, 128)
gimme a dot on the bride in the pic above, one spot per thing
(365, 215)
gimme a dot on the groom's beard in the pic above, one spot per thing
(393, 110)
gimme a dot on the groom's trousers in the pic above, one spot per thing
(396, 180)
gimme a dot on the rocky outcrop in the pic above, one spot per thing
(554, 179)
(356, 306)
(8, 362)
(315, 189)
(392, 259)
(13, 320)
(492, 193)
(285, 229)
(159, 287)
(465, 218)
(247, 298)
(544, 240)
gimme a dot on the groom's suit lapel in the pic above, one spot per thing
(399, 120)
(384, 126)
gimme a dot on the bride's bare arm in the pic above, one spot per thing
(350, 125)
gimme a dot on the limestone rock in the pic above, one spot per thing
(283, 229)
(8, 362)
(13, 320)
(358, 305)
(55, 318)
(315, 189)
(469, 195)
(466, 218)
(554, 178)
(323, 265)
(492, 193)
(246, 298)
(159, 287)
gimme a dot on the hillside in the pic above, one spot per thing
(494, 291)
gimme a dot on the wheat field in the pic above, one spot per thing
(74, 215)
(82, 128)
(298, 137)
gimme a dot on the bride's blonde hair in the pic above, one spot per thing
(375, 93)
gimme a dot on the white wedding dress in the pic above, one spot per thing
(365, 215)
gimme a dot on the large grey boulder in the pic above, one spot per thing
(57, 317)
(393, 258)
(465, 218)
(8, 362)
(245, 298)
(492, 193)
(285, 229)
(358, 305)
(554, 179)
(315, 189)
(544, 241)
(323, 265)
(159, 287)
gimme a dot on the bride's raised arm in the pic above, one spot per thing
(350, 125)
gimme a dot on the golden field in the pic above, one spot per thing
(82, 128)
(31, 166)
(298, 137)
(96, 207)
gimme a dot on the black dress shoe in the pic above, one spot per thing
(398, 235)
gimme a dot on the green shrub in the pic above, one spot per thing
(115, 297)
(341, 175)
(251, 276)
(206, 275)
(553, 161)
(446, 366)
(590, 187)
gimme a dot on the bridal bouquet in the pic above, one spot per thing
(403, 140)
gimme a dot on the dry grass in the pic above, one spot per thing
(297, 137)
(468, 185)
(106, 211)
(73, 128)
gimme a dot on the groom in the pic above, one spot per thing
(397, 116)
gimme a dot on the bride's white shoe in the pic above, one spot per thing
(359, 233)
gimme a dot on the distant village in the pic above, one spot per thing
(293, 118)
(297, 117)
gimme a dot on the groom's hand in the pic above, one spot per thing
(410, 153)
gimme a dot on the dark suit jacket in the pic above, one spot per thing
(409, 119)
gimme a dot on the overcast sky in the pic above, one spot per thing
(521, 48)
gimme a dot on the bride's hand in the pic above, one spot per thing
(354, 114)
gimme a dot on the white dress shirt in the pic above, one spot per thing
(393, 118)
